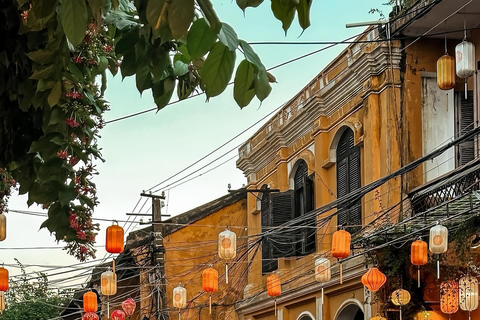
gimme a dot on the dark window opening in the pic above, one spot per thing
(348, 180)
(464, 118)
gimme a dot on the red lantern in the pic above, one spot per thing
(449, 296)
(114, 243)
(274, 288)
(374, 279)
(341, 247)
(129, 306)
(90, 302)
(3, 279)
(210, 283)
(419, 256)
(118, 315)
(90, 316)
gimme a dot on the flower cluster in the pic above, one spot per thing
(7, 183)
(94, 46)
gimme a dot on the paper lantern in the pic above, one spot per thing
(90, 302)
(374, 279)
(419, 256)
(3, 279)
(274, 288)
(341, 247)
(400, 298)
(3, 227)
(465, 61)
(128, 306)
(449, 297)
(210, 283)
(446, 72)
(227, 247)
(179, 297)
(378, 317)
(2, 301)
(323, 271)
(118, 315)
(114, 242)
(438, 243)
(468, 294)
(90, 316)
(108, 283)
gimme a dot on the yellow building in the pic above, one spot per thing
(355, 150)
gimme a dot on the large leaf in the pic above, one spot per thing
(41, 56)
(284, 10)
(243, 86)
(129, 64)
(303, 10)
(180, 16)
(55, 94)
(127, 41)
(262, 85)
(243, 4)
(228, 37)
(218, 69)
(210, 14)
(143, 77)
(200, 39)
(74, 17)
(42, 72)
(162, 92)
(180, 68)
(251, 55)
(44, 9)
(157, 13)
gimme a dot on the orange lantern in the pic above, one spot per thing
(274, 288)
(449, 297)
(210, 283)
(114, 243)
(90, 302)
(446, 72)
(3, 279)
(419, 255)
(341, 247)
(374, 279)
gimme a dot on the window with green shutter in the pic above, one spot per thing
(465, 151)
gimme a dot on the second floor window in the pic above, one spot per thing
(348, 180)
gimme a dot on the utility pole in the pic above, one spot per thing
(158, 256)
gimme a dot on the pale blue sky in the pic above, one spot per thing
(144, 150)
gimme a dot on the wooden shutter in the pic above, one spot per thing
(310, 221)
(268, 264)
(283, 241)
(464, 112)
(342, 190)
(355, 210)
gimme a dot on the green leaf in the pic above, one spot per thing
(180, 16)
(96, 6)
(228, 37)
(303, 10)
(243, 86)
(157, 13)
(143, 78)
(162, 92)
(102, 63)
(262, 86)
(44, 85)
(160, 64)
(127, 41)
(243, 4)
(75, 71)
(284, 10)
(184, 89)
(218, 69)
(129, 64)
(210, 14)
(41, 56)
(180, 68)
(44, 9)
(55, 94)
(200, 39)
(67, 194)
(42, 72)
(251, 55)
(52, 170)
(74, 17)
(45, 192)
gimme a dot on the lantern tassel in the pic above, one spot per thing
(400, 312)
(466, 89)
(418, 276)
(108, 307)
(438, 267)
(275, 306)
(210, 304)
(322, 295)
(341, 274)
(179, 315)
(226, 272)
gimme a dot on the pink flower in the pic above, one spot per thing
(73, 221)
(83, 249)
(62, 154)
(73, 161)
(81, 235)
(71, 122)
(78, 59)
(108, 48)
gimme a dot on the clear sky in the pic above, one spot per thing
(144, 150)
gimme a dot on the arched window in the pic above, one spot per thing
(348, 180)
(303, 194)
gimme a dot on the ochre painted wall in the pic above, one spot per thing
(192, 249)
